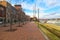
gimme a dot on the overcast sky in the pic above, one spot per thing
(48, 8)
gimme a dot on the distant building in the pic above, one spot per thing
(27, 18)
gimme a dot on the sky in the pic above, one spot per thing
(47, 8)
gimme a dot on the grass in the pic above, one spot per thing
(49, 34)
(53, 28)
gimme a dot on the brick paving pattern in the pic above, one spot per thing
(29, 31)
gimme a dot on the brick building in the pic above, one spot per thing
(12, 13)
(21, 13)
(7, 11)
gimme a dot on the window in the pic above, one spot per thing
(1, 11)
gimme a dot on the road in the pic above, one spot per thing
(29, 31)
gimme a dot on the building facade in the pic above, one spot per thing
(9, 13)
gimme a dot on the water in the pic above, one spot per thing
(57, 24)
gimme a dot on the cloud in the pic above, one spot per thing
(43, 5)
(27, 6)
(52, 3)
(29, 13)
(49, 4)
(55, 15)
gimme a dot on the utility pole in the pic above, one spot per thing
(34, 10)
(38, 17)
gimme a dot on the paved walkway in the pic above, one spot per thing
(29, 31)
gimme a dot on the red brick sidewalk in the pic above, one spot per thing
(29, 31)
